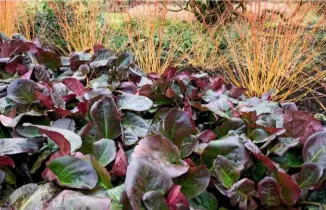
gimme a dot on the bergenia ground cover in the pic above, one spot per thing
(93, 131)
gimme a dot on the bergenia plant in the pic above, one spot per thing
(93, 131)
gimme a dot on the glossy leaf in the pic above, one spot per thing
(10, 146)
(105, 114)
(144, 176)
(314, 150)
(74, 172)
(22, 91)
(177, 126)
(194, 182)
(105, 151)
(163, 153)
(154, 200)
(127, 101)
(230, 147)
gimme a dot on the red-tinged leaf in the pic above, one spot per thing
(144, 176)
(59, 139)
(153, 76)
(187, 107)
(177, 126)
(206, 136)
(169, 73)
(314, 150)
(268, 192)
(218, 82)
(120, 165)
(170, 93)
(309, 176)
(97, 47)
(6, 161)
(257, 153)
(190, 162)
(75, 85)
(128, 87)
(236, 92)
(146, 90)
(21, 69)
(290, 191)
(69, 97)
(163, 153)
(68, 141)
(300, 124)
(49, 59)
(47, 174)
(82, 107)
(202, 82)
(27, 75)
(240, 193)
(175, 197)
(41, 74)
(106, 116)
(46, 100)
(62, 112)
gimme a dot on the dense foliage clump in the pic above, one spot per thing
(93, 131)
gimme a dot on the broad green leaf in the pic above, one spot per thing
(127, 101)
(105, 151)
(105, 114)
(22, 91)
(204, 201)
(225, 171)
(124, 59)
(235, 124)
(144, 176)
(135, 124)
(259, 135)
(283, 145)
(289, 159)
(74, 172)
(230, 147)
(104, 177)
(116, 192)
(194, 182)
(7, 105)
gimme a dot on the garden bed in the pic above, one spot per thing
(94, 131)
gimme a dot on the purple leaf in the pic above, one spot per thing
(6, 161)
(22, 91)
(290, 191)
(75, 85)
(177, 126)
(163, 153)
(309, 176)
(314, 150)
(120, 164)
(105, 114)
(144, 176)
(268, 192)
(301, 124)
(240, 194)
(154, 200)
(175, 197)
